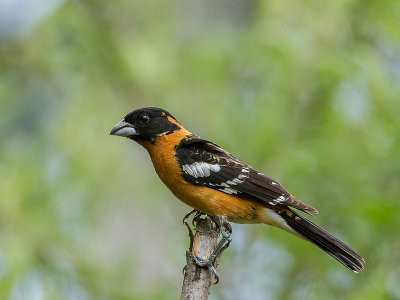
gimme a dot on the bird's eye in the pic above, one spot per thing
(144, 119)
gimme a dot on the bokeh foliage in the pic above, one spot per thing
(305, 91)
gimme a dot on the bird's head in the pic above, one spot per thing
(146, 124)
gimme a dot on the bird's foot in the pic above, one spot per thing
(208, 264)
(191, 235)
(226, 232)
(195, 219)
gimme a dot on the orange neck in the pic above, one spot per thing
(165, 143)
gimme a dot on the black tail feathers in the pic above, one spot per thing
(324, 240)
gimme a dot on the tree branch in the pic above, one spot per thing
(197, 280)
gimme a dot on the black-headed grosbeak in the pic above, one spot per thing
(214, 182)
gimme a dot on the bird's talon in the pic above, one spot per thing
(208, 264)
(191, 234)
(226, 230)
(196, 217)
(199, 261)
(212, 269)
(188, 215)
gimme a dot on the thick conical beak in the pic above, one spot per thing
(123, 129)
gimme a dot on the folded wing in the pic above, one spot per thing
(205, 163)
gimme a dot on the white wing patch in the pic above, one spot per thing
(203, 169)
(200, 169)
(278, 200)
(235, 181)
(229, 191)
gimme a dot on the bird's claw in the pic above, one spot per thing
(191, 234)
(197, 217)
(226, 232)
(188, 215)
(208, 263)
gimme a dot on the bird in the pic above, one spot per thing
(214, 182)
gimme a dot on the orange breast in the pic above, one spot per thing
(202, 198)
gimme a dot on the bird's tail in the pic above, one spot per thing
(324, 240)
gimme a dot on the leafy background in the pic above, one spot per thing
(305, 91)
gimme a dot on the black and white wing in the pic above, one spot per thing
(205, 163)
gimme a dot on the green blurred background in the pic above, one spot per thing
(305, 91)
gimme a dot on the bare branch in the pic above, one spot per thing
(197, 280)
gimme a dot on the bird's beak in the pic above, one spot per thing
(123, 129)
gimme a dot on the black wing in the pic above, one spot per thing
(205, 163)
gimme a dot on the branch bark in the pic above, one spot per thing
(197, 280)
